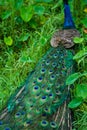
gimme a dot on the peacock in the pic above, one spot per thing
(42, 102)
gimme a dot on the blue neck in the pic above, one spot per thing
(68, 23)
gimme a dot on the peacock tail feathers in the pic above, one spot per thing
(37, 104)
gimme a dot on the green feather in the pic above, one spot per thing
(33, 106)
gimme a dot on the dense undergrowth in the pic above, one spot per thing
(25, 31)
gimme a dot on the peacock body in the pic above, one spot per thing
(41, 104)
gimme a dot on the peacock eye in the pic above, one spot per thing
(43, 70)
(48, 88)
(55, 55)
(47, 62)
(7, 128)
(54, 64)
(36, 87)
(34, 82)
(52, 77)
(53, 124)
(44, 123)
(43, 97)
(46, 109)
(57, 91)
(43, 64)
(44, 114)
(50, 95)
(29, 122)
(40, 78)
(50, 71)
(18, 114)
(1, 123)
(31, 106)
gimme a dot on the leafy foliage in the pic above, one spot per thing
(8, 40)
(79, 79)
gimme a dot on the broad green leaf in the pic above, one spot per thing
(84, 74)
(39, 9)
(23, 59)
(2, 3)
(8, 40)
(81, 60)
(75, 102)
(24, 37)
(26, 59)
(43, 19)
(80, 54)
(18, 4)
(26, 13)
(6, 14)
(85, 37)
(81, 90)
(78, 40)
(84, 22)
(72, 78)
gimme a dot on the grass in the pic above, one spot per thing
(16, 65)
(80, 119)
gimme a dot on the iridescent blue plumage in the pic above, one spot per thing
(68, 23)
